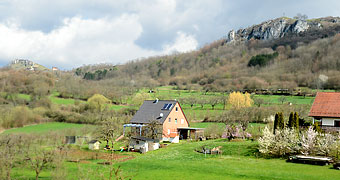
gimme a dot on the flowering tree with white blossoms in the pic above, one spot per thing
(266, 141)
(324, 144)
(308, 141)
(289, 141)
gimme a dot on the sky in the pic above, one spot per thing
(71, 33)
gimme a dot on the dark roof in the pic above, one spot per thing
(326, 104)
(94, 141)
(151, 111)
(145, 138)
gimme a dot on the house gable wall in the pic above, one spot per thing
(172, 125)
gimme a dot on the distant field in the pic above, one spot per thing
(43, 128)
(205, 124)
(170, 93)
(64, 101)
(275, 99)
(59, 101)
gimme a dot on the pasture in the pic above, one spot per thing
(45, 128)
(239, 160)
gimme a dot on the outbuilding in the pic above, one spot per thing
(94, 145)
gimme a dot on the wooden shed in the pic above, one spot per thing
(94, 145)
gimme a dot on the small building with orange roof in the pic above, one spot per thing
(326, 109)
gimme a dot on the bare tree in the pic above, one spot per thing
(10, 153)
(213, 101)
(259, 101)
(282, 99)
(107, 132)
(202, 102)
(155, 129)
(39, 154)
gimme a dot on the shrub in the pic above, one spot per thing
(262, 59)
(213, 131)
(17, 117)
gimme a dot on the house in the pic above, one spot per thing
(326, 110)
(169, 114)
(94, 144)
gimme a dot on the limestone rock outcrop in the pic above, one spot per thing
(280, 27)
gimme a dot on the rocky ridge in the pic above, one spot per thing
(280, 27)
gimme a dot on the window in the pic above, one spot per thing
(169, 119)
(168, 131)
(182, 121)
(176, 121)
(176, 109)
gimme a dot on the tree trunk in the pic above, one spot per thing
(9, 174)
(36, 174)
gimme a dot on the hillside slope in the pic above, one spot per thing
(307, 59)
(23, 64)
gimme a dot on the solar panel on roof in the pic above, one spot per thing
(165, 105)
(168, 107)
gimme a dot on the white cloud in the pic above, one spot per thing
(84, 41)
(183, 43)
(78, 41)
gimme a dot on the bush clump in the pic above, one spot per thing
(262, 59)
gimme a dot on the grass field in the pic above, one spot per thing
(180, 161)
(63, 101)
(275, 99)
(44, 128)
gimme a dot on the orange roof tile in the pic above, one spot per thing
(326, 104)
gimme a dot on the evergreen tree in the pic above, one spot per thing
(291, 119)
(281, 122)
(276, 121)
(295, 123)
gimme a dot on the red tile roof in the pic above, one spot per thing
(326, 104)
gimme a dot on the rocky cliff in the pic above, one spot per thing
(280, 27)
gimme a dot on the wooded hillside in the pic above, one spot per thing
(219, 66)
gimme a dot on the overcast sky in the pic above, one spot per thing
(70, 33)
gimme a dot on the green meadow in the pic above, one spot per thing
(44, 128)
(239, 160)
